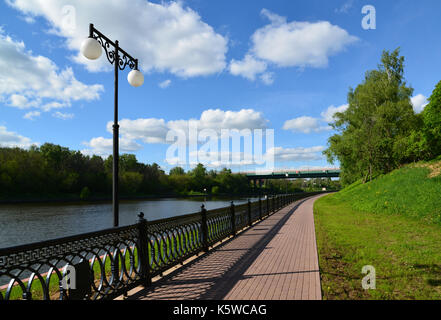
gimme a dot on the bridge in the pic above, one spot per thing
(292, 174)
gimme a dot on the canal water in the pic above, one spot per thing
(26, 223)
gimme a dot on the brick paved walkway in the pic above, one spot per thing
(275, 259)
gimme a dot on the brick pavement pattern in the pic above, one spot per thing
(276, 259)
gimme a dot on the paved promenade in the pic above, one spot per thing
(275, 259)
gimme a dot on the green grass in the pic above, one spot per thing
(407, 191)
(391, 223)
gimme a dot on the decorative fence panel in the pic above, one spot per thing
(109, 263)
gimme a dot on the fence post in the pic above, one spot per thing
(143, 251)
(233, 219)
(274, 204)
(250, 222)
(260, 208)
(267, 205)
(204, 227)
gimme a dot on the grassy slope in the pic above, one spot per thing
(393, 224)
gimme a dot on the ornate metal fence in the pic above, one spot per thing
(109, 263)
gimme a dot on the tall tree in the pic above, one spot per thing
(379, 115)
(432, 122)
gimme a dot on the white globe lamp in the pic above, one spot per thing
(91, 49)
(135, 78)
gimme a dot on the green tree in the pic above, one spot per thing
(128, 162)
(378, 117)
(199, 178)
(176, 171)
(432, 122)
(130, 182)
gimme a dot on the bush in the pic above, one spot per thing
(85, 193)
(215, 190)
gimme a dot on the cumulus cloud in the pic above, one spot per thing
(153, 130)
(248, 68)
(299, 44)
(217, 159)
(11, 139)
(328, 114)
(291, 44)
(103, 147)
(419, 102)
(304, 124)
(298, 154)
(277, 155)
(164, 37)
(307, 124)
(148, 130)
(30, 81)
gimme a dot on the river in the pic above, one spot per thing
(26, 223)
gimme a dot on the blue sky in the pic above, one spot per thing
(282, 65)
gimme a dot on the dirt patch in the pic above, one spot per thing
(435, 168)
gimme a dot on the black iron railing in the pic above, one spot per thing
(109, 263)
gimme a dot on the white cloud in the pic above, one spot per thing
(103, 147)
(290, 44)
(304, 124)
(227, 159)
(18, 101)
(153, 130)
(419, 102)
(30, 81)
(299, 44)
(244, 119)
(248, 68)
(148, 130)
(218, 159)
(328, 114)
(298, 154)
(10, 139)
(273, 17)
(165, 84)
(63, 116)
(307, 124)
(32, 115)
(164, 37)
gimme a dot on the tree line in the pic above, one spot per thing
(380, 131)
(53, 170)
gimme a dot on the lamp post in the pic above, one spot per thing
(91, 48)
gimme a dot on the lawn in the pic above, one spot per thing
(404, 249)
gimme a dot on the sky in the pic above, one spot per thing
(282, 68)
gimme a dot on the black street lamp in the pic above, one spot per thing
(91, 48)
